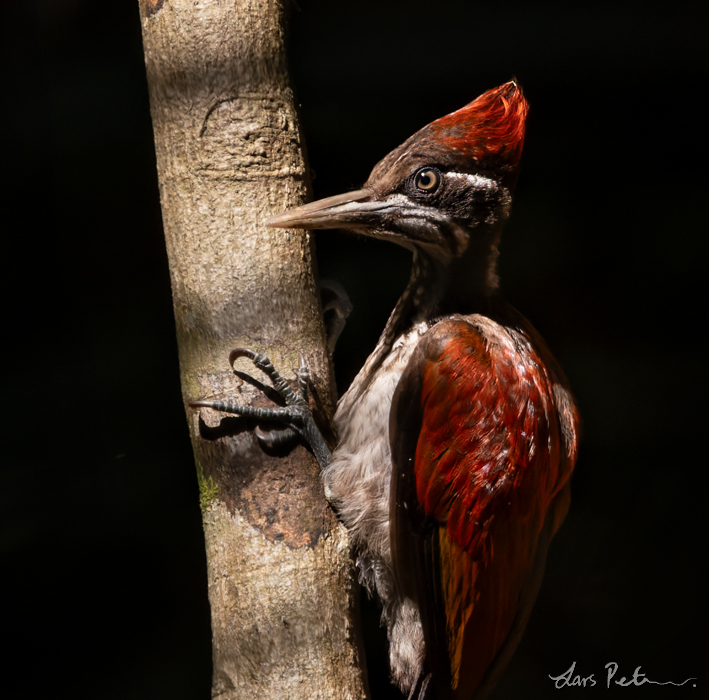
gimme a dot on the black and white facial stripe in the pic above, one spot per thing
(441, 209)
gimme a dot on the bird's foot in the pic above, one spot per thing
(296, 416)
(335, 311)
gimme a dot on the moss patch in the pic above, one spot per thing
(208, 490)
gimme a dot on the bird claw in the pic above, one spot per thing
(296, 416)
(335, 311)
(279, 383)
(276, 437)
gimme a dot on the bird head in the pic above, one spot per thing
(449, 182)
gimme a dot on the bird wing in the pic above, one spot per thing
(477, 468)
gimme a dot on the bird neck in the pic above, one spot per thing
(469, 283)
(464, 285)
(437, 288)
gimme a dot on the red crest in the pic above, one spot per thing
(490, 129)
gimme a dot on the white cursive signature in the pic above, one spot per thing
(571, 679)
(638, 678)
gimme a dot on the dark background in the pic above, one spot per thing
(102, 578)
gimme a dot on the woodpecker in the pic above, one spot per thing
(457, 439)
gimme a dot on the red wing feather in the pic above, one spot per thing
(476, 450)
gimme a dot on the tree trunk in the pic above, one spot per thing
(281, 583)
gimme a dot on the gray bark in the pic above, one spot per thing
(281, 583)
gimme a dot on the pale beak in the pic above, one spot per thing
(352, 210)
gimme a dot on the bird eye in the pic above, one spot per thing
(427, 180)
